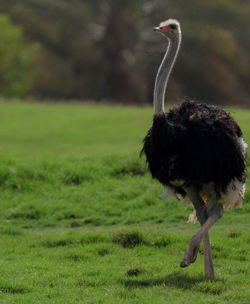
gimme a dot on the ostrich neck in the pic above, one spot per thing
(164, 73)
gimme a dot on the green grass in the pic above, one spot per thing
(82, 221)
(35, 131)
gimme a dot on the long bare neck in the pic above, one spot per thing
(164, 73)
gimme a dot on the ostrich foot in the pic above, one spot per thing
(192, 252)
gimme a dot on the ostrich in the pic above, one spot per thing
(196, 151)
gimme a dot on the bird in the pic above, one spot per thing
(197, 151)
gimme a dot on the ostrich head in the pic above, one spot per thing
(169, 28)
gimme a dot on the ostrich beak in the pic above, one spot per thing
(162, 29)
(157, 29)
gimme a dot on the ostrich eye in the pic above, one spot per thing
(172, 26)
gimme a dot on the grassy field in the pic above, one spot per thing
(83, 222)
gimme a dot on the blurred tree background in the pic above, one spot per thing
(16, 72)
(106, 49)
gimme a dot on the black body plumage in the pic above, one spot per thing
(197, 143)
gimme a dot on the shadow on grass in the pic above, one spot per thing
(182, 281)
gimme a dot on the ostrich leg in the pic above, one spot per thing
(208, 261)
(214, 214)
(202, 216)
(206, 221)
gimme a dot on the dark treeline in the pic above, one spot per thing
(106, 49)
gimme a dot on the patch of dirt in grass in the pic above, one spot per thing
(128, 239)
(133, 272)
(234, 235)
(103, 251)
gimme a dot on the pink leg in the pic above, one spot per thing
(208, 261)
(206, 221)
